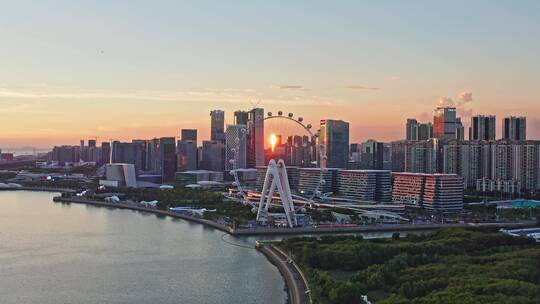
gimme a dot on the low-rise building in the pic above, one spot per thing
(443, 192)
(310, 180)
(119, 175)
(438, 192)
(366, 185)
(195, 176)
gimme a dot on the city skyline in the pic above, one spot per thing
(82, 70)
(308, 151)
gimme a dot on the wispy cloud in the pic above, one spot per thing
(461, 104)
(228, 95)
(25, 107)
(290, 87)
(361, 87)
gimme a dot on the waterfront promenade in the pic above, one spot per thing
(297, 285)
(291, 231)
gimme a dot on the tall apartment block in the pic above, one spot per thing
(514, 128)
(482, 127)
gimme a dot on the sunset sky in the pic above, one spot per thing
(142, 69)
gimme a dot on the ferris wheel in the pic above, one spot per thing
(278, 127)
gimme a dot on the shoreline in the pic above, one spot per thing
(144, 209)
(288, 231)
(39, 189)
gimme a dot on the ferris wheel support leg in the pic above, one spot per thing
(287, 195)
(278, 175)
(270, 195)
(264, 190)
(286, 204)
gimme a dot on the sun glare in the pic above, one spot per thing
(273, 141)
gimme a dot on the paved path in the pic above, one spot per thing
(294, 279)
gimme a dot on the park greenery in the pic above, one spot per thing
(5, 176)
(231, 212)
(454, 265)
(176, 197)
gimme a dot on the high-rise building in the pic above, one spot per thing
(515, 128)
(66, 154)
(411, 129)
(153, 157)
(241, 117)
(236, 147)
(167, 151)
(424, 131)
(444, 123)
(142, 147)
(418, 131)
(398, 155)
(105, 152)
(335, 138)
(213, 155)
(187, 158)
(255, 139)
(128, 153)
(368, 156)
(91, 143)
(188, 134)
(501, 162)
(482, 127)
(217, 125)
(83, 151)
(94, 154)
(460, 130)
(469, 159)
(421, 156)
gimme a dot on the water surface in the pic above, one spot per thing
(72, 253)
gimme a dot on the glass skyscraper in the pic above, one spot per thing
(335, 137)
(217, 125)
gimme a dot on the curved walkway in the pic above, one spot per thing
(297, 287)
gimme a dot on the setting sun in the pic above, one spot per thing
(273, 141)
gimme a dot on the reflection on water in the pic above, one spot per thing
(70, 253)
